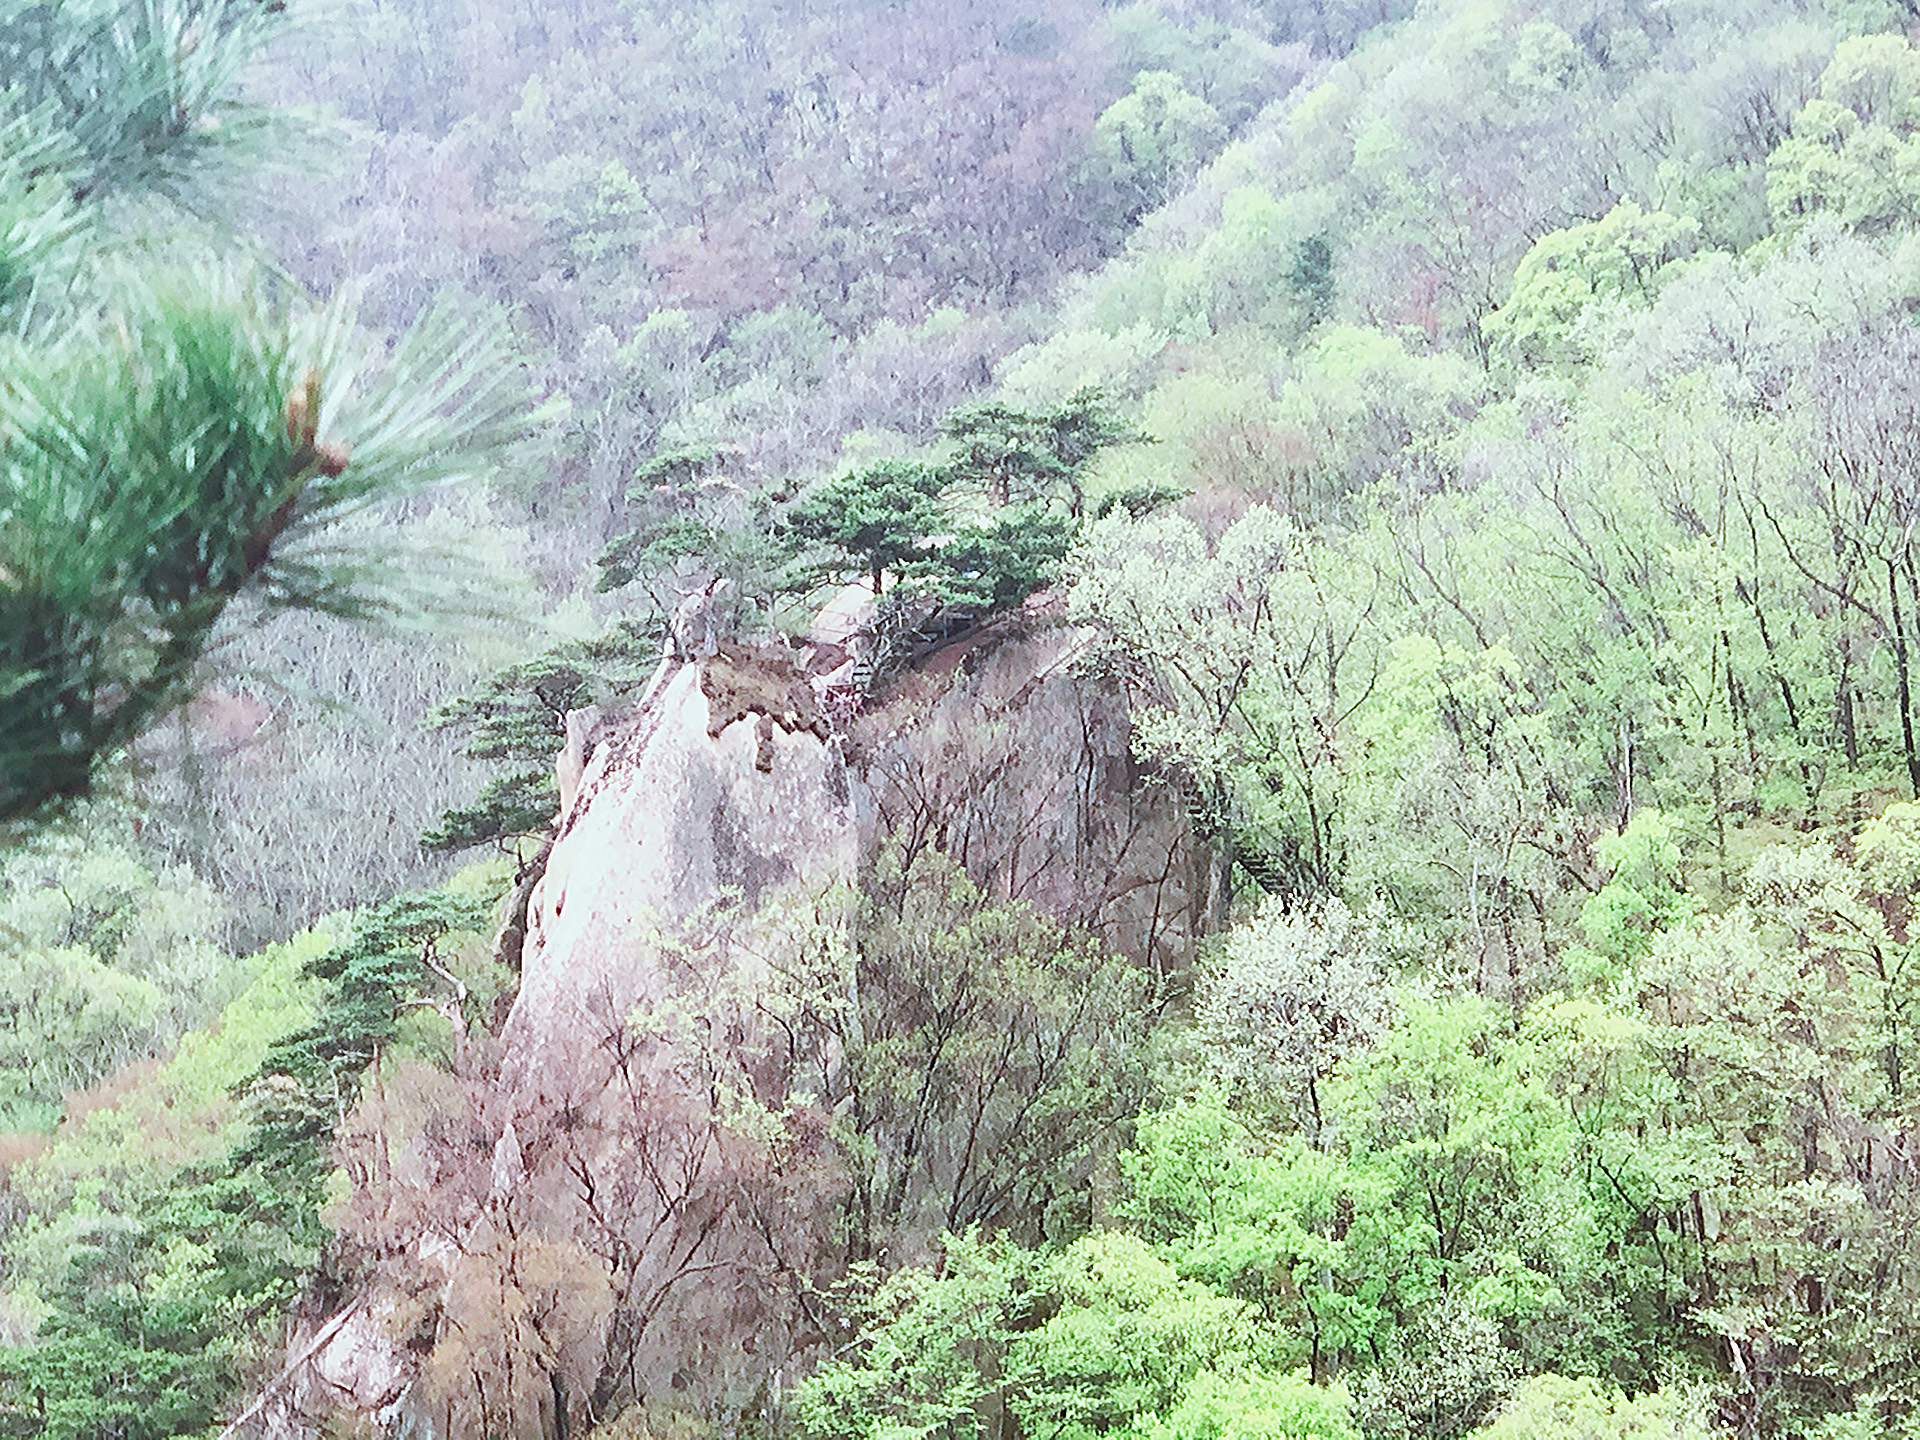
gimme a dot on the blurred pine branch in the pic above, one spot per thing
(172, 438)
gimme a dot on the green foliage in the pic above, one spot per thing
(117, 1368)
(1853, 153)
(73, 1020)
(654, 548)
(1137, 501)
(687, 512)
(157, 1307)
(1332, 27)
(1101, 1338)
(1009, 454)
(877, 517)
(1115, 362)
(922, 523)
(397, 957)
(984, 569)
(180, 471)
(1249, 643)
(104, 962)
(167, 1288)
(157, 1265)
(929, 1347)
(134, 1140)
(1551, 1407)
(1149, 143)
(151, 483)
(1620, 259)
(1643, 896)
(1125, 1339)
(641, 552)
(1537, 604)
(1311, 278)
(1254, 1216)
(1289, 996)
(38, 224)
(142, 96)
(170, 441)
(518, 716)
(1270, 263)
(1252, 1404)
(1539, 568)
(1222, 60)
(519, 804)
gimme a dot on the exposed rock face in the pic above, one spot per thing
(633, 1198)
(722, 790)
(625, 1153)
(1004, 754)
(704, 825)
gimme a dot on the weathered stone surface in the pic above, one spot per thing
(1005, 753)
(680, 811)
(623, 1108)
(636, 1168)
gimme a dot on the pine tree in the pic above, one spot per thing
(176, 434)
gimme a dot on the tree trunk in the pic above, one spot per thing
(1843, 709)
(1902, 681)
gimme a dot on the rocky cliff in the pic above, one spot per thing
(634, 1194)
(720, 792)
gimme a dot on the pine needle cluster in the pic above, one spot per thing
(178, 425)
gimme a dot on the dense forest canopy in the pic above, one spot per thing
(1477, 441)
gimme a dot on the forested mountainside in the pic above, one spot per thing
(1036, 720)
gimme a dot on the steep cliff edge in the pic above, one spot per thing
(1005, 751)
(602, 1181)
(721, 791)
(641, 1191)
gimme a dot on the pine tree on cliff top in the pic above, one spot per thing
(178, 428)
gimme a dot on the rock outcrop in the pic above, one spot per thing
(1007, 753)
(613, 1182)
(720, 792)
(632, 1200)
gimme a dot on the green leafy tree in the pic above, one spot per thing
(928, 1349)
(1764, 1023)
(1252, 1404)
(670, 476)
(158, 1308)
(1009, 454)
(1243, 652)
(1854, 154)
(1619, 259)
(983, 569)
(159, 1261)
(103, 962)
(1101, 1338)
(689, 518)
(953, 566)
(1126, 1336)
(1552, 1407)
(1288, 997)
(1643, 896)
(1149, 143)
(518, 717)
(399, 959)
(1259, 1217)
